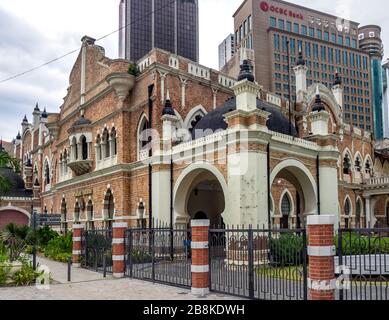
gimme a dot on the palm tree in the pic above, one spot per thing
(6, 161)
(16, 238)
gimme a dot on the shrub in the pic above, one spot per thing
(357, 244)
(59, 248)
(133, 70)
(138, 256)
(15, 238)
(4, 274)
(286, 250)
(26, 276)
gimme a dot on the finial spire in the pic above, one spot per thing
(318, 106)
(338, 79)
(168, 108)
(300, 60)
(245, 68)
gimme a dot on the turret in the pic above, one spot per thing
(300, 71)
(337, 89)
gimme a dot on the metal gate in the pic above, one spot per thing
(259, 264)
(159, 255)
(97, 250)
(362, 264)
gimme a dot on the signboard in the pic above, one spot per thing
(83, 193)
(266, 7)
(42, 220)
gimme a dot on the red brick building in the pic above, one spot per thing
(92, 165)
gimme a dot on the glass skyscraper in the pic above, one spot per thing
(170, 25)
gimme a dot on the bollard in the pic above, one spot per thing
(77, 235)
(69, 269)
(118, 249)
(104, 264)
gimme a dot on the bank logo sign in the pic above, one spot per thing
(266, 7)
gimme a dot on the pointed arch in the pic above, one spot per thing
(358, 161)
(141, 133)
(347, 206)
(195, 114)
(368, 164)
(347, 164)
(378, 168)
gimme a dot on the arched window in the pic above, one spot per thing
(109, 208)
(65, 162)
(84, 148)
(89, 215)
(358, 164)
(47, 172)
(107, 151)
(98, 148)
(285, 205)
(113, 142)
(286, 208)
(74, 149)
(346, 164)
(368, 166)
(195, 121)
(358, 213)
(347, 212)
(143, 138)
(64, 225)
(77, 212)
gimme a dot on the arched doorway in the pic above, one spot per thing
(200, 194)
(302, 198)
(13, 215)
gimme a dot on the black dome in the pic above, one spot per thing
(215, 120)
(81, 122)
(18, 188)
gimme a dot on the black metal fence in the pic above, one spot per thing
(259, 264)
(97, 250)
(159, 255)
(362, 264)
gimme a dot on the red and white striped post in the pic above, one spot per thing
(321, 253)
(200, 257)
(118, 249)
(77, 234)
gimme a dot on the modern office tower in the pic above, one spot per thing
(276, 30)
(385, 103)
(170, 25)
(226, 50)
(370, 42)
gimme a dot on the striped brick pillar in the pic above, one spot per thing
(321, 252)
(118, 249)
(77, 234)
(200, 257)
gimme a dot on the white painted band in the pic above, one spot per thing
(117, 258)
(117, 241)
(200, 245)
(200, 269)
(328, 251)
(200, 291)
(200, 223)
(78, 226)
(120, 225)
(118, 275)
(322, 285)
(76, 239)
(316, 220)
(76, 252)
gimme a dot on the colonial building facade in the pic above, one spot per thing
(182, 141)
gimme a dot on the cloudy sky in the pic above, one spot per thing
(33, 32)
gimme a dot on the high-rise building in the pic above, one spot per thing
(226, 50)
(370, 42)
(276, 31)
(385, 100)
(170, 25)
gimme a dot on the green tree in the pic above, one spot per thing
(6, 161)
(16, 238)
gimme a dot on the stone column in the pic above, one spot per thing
(200, 257)
(368, 211)
(321, 252)
(118, 249)
(77, 234)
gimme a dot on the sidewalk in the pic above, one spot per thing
(88, 285)
(59, 272)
